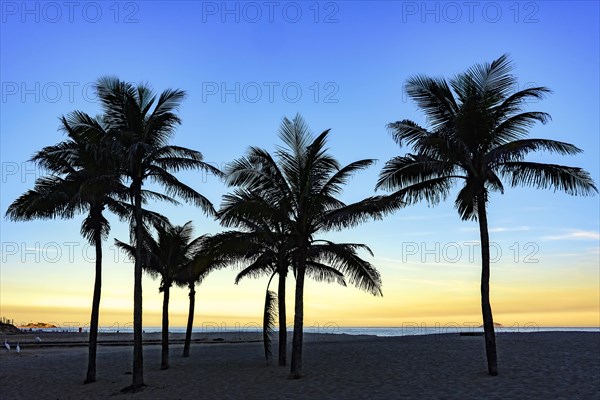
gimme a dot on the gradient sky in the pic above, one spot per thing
(341, 65)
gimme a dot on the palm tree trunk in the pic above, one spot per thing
(138, 357)
(282, 318)
(486, 309)
(91, 371)
(296, 365)
(190, 323)
(164, 361)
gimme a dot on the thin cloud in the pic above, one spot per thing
(590, 251)
(575, 235)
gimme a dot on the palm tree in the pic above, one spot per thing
(166, 257)
(301, 185)
(264, 249)
(273, 262)
(477, 135)
(83, 177)
(203, 261)
(141, 126)
(266, 257)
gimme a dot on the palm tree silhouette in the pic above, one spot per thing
(203, 261)
(264, 248)
(301, 185)
(83, 176)
(167, 256)
(142, 125)
(478, 135)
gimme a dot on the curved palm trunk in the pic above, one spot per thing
(282, 318)
(138, 357)
(296, 364)
(93, 340)
(190, 323)
(486, 309)
(164, 360)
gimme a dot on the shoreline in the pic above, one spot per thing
(48, 339)
(74, 339)
(376, 331)
(534, 365)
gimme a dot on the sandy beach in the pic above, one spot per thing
(532, 366)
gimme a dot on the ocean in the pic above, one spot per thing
(407, 330)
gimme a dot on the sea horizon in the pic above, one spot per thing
(328, 329)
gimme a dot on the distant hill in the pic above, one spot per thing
(8, 329)
(38, 325)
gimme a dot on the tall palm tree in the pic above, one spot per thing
(141, 126)
(166, 257)
(477, 136)
(83, 177)
(302, 184)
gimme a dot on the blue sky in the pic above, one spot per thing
(341, 65)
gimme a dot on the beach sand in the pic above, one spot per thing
(549, 365)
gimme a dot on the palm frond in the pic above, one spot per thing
(333, 185)
(344, 258)
(517, 126)
(324, 273)
(127, 248)
(295, 134)
(466, 202)
(175, 187)
(434, 97)
(572, 180)
(493, 80)
(407, 132)
(52, 197)
(401, 172)
(269, 320)
(432, 191)
(95, 224)
(514, 103)
(371, 208)
(516, 150)
(263, 264)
